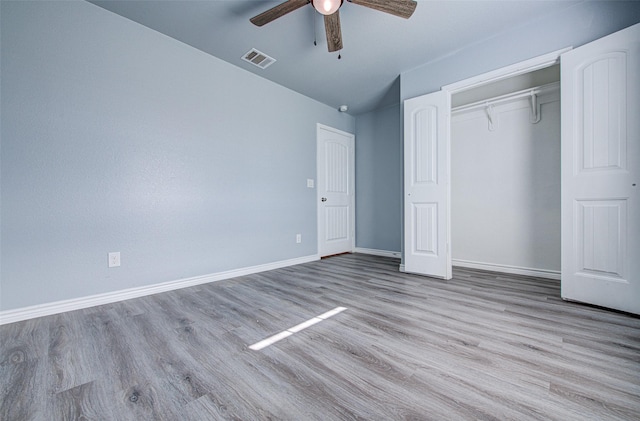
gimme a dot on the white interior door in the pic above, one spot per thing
(336, 185)
(601, 172)
(427, 185)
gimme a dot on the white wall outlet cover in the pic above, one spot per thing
(310, 183)
(114, 259)
(298, 238)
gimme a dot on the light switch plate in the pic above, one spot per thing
(310, 183)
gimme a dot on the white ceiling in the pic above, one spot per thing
(377, 46)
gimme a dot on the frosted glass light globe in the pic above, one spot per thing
(327, 7)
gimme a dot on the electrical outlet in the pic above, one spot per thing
(114, 259)
(310, 183)
(298, 238)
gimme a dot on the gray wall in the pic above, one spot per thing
(574, 26)
(378, 180)
(117, 138)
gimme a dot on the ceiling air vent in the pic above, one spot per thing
(258, 58)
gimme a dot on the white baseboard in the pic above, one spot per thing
(376, 252)
(25, 313)
(516, 270)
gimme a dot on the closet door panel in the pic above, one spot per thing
(426, 186)
(601, 238)
(601, 172)
(600, 110)
(424, 138)
(425, 220)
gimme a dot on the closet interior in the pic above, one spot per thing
(505, 175)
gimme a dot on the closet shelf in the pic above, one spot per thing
(531, 92)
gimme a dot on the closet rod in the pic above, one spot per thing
(508, 97)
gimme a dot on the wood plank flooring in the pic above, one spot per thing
(482, 346)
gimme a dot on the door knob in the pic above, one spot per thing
(324, 199)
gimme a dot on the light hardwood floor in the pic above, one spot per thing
(480, 346)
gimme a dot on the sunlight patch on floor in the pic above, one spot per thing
(295, 329)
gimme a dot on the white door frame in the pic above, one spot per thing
(516, 69)
(352, 185)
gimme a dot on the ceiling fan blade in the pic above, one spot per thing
(402, 8)
(278, 11)
(334, 33)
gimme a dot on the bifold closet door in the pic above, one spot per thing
(601, 172)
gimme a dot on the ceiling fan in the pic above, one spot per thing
(330, 10)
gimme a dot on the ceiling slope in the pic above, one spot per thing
(377, 47)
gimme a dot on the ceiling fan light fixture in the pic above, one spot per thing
(327, 7)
